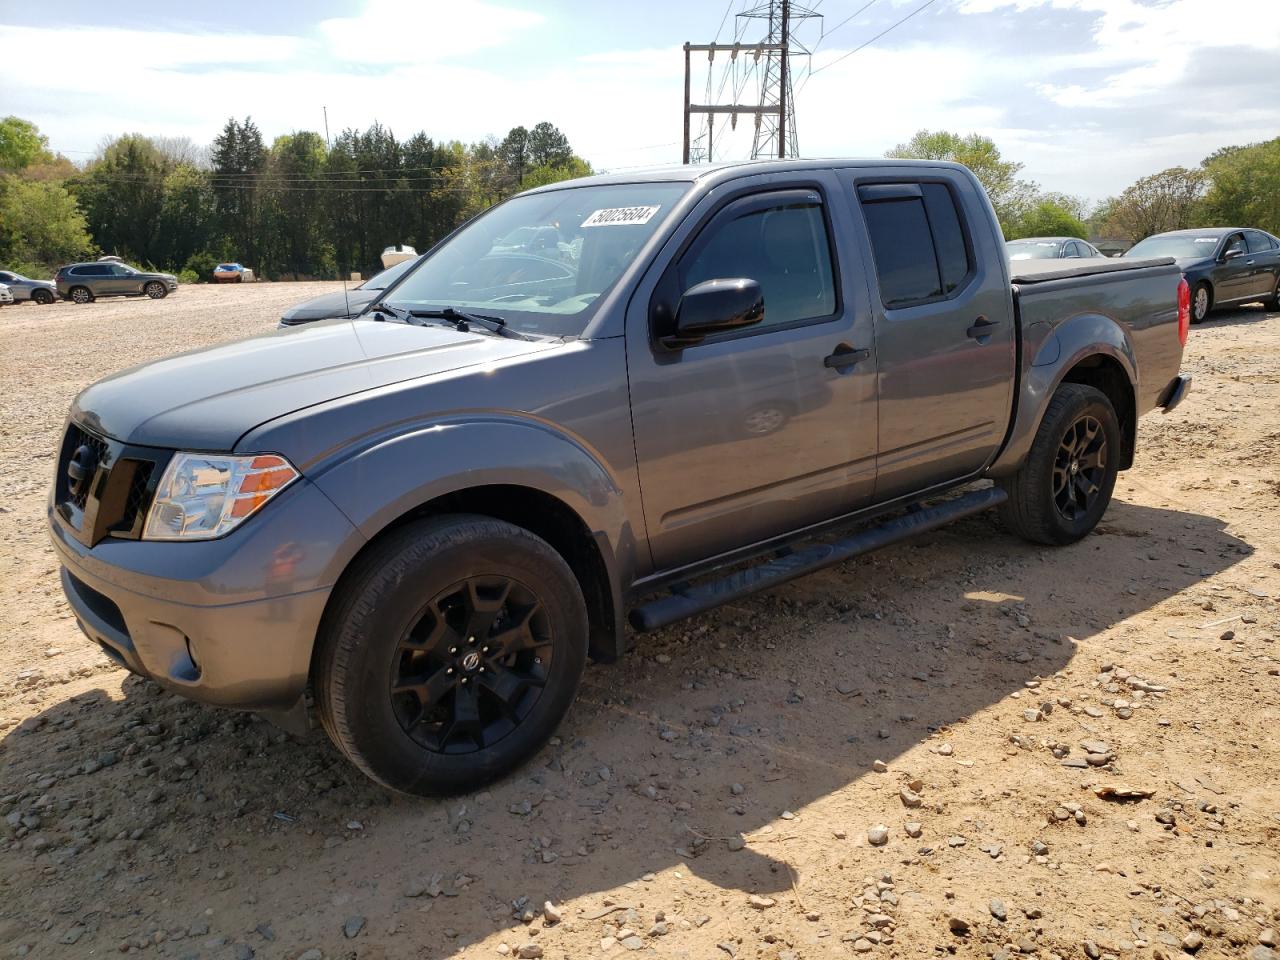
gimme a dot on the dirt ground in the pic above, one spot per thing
(961, 699)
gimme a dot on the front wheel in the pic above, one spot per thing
(155, 290)
(1201, 302)
(1273, 302)
(1064, 486)
(42, 297)
(451, 652)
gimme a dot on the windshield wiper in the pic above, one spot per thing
(462, 321)
(390, 311)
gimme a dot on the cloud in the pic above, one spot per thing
(392, 31)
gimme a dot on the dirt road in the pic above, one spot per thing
(900, 757)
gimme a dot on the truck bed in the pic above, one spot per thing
(1040, 271)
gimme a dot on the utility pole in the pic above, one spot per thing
(768, 63)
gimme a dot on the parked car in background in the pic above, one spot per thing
(1051, 248)
(24, 288)
(398, 253)
(85, 282)
(6, 295)
(430, 516)
(1224, 265)
(228, 273)
(345, 303)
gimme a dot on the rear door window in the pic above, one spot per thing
(918, 240)
(1258, 241)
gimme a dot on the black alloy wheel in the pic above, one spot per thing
(42, 297)
(1080, 468)
(473, 666)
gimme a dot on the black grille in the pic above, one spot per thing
(139, 498)
(74, 440)
(108, 488)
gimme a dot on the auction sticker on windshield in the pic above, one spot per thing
(620, 216)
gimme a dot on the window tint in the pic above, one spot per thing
(903, 248)
(7, 277)
(1235, 243)
(1258, 241)
(93, 270)
(783, 248)
(948, 236)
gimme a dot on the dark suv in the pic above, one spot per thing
(85, 282)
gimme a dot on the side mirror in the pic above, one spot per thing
(715, 306)
(1231, 255)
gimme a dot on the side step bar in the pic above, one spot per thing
(688, 600)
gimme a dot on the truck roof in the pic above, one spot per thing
(739, 168)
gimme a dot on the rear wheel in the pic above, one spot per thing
(451, 653)
(1201, 302)
(81, 295)
(1064, 486)
(155, 290)
(1273, 302)
(42, 297)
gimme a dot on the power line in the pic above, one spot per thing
(863, 46)
(827, 33)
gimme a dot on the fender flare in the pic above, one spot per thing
(1073, 341)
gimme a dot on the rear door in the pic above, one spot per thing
(754, 433)
(945, 339)
(1264, 256)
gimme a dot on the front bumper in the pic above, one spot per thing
(1174, 392)
(230, 622)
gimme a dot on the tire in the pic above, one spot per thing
(1201, 301)
(1050, 500)
(80, 295)
(406, 684)
(155, 290)
(42, 297)
(1273, 302)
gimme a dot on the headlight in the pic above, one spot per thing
(202, 496)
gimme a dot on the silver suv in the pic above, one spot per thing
(85, 282)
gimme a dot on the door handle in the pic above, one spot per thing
(845, 357)
(982, 327)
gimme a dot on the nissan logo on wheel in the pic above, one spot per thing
(80, 469)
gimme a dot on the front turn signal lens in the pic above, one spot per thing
(203, 496)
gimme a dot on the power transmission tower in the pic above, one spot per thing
(774, 111)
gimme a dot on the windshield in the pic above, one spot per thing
(539, 261)
(380, 281)
(1032, 249)
(1181, 245)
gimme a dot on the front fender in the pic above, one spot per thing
(1082, 336)
(390, 475)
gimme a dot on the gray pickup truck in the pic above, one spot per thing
(705, 382)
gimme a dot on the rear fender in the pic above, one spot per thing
(1072, 342)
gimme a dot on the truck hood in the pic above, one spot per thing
(208, 399)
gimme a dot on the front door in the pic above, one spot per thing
(754, 433)
(945, 337)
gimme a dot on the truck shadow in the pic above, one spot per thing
(724, 726)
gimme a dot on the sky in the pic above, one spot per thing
(1088, 94)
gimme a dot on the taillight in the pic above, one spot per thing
(1184, 310)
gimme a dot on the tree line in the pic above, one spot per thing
(304, 207)
(299, 207)
(1234, 186)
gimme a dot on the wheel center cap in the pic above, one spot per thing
(471, 661)
(1075, 466)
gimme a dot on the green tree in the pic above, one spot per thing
(514, 154)
(295, 235)
(1168, 200)
(999, 177)
(22, 144)
(122, 194)
(548, 147)
(553, 173)
(1244, 186)
(1047, 217)
(239, 159)
(40, 225)
(188, 222)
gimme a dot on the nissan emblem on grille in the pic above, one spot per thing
(80, 469)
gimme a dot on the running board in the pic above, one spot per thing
(688, 600)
